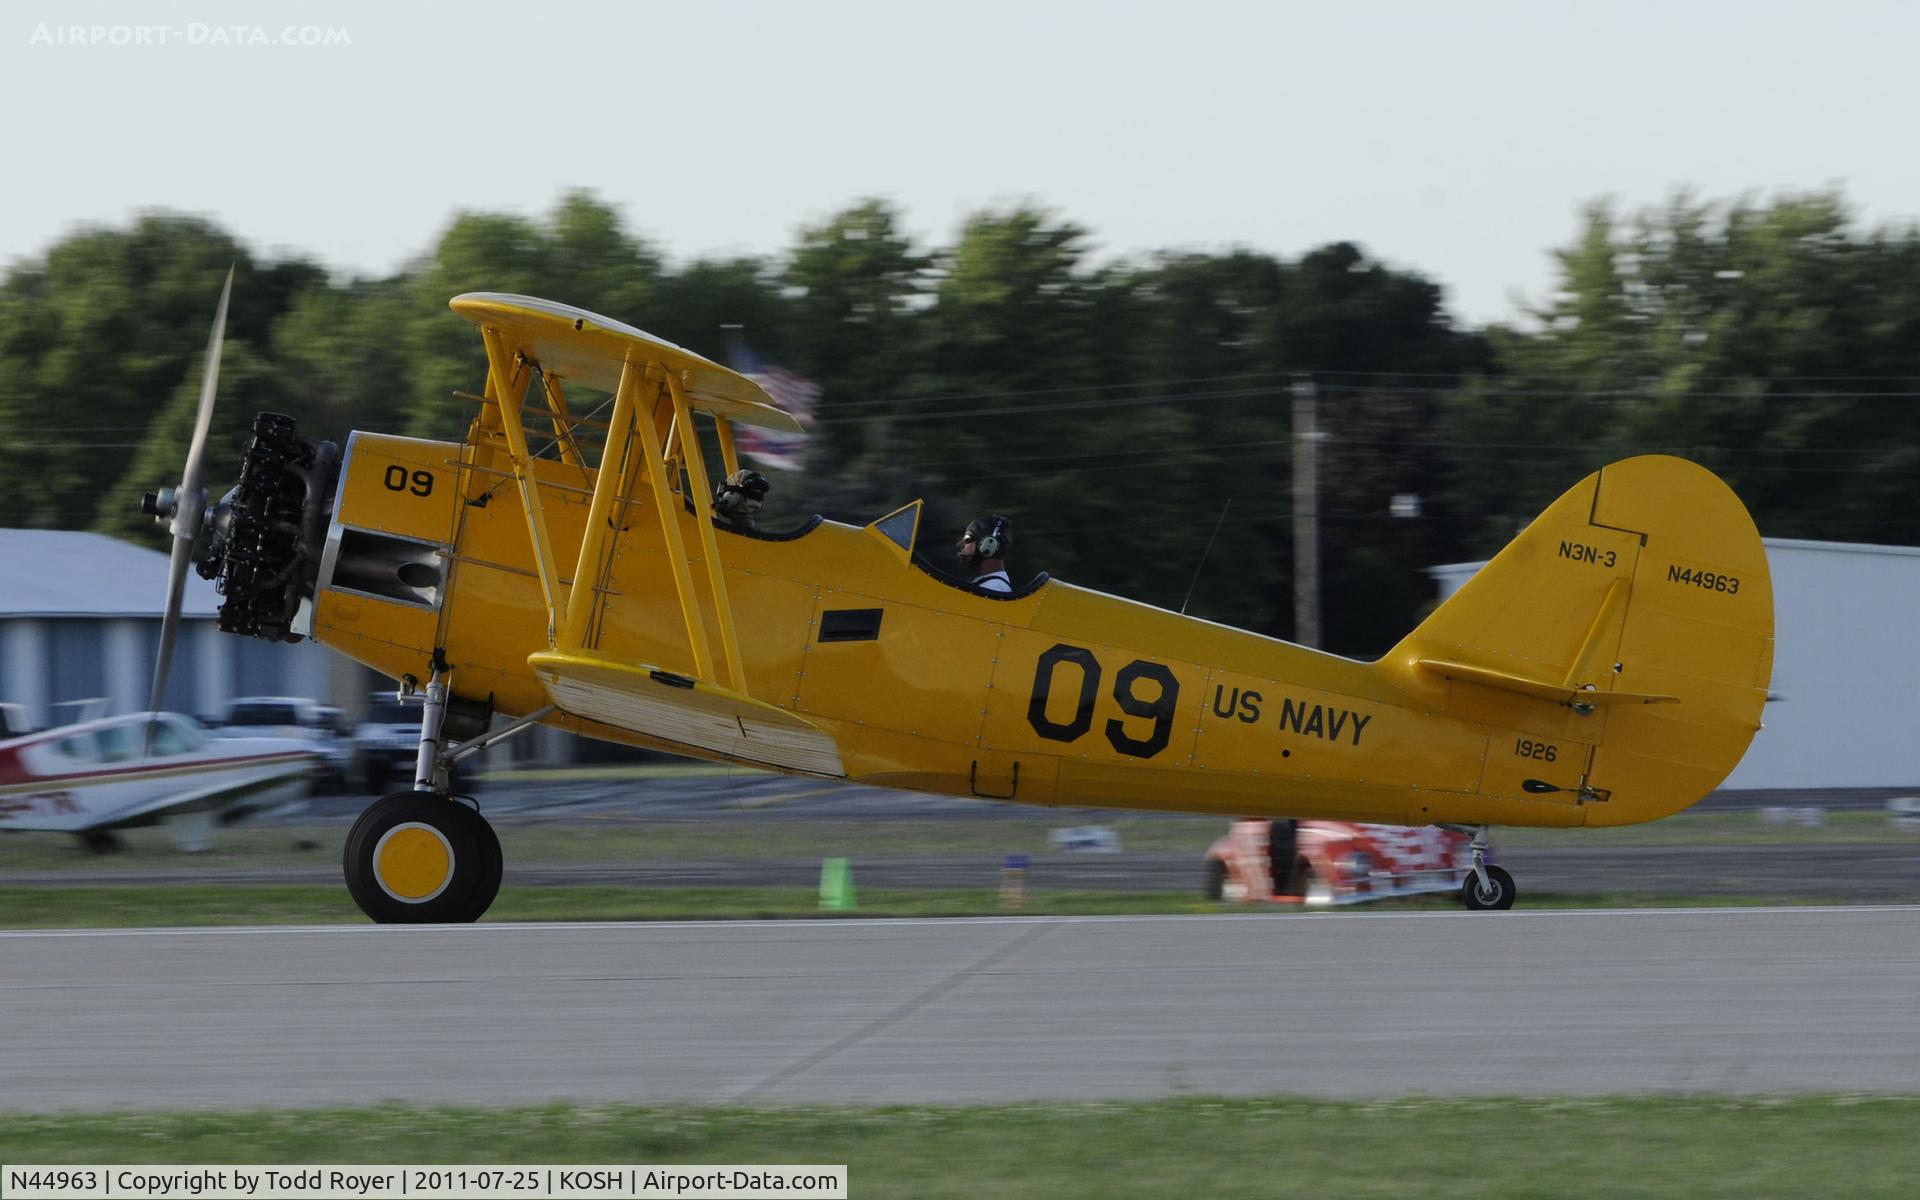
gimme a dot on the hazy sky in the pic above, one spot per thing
(1458, 139)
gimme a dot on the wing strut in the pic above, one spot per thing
(729, 456)
(676, 547)
(696, 465)
(508, 383)
(593, 541)
(562, 421)
(638, 408)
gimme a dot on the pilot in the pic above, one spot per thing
(738, 499)
(983, 551)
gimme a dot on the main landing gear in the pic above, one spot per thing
(1486, 887)
(426, 856)
(422, 857)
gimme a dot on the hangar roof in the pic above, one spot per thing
(61, 573)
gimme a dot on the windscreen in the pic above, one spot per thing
(393, 712)
(263, 714)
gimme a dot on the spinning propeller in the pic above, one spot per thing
(184, 508)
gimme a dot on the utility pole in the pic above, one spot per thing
(1306, 515)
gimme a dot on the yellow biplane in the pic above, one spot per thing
(1608, 667)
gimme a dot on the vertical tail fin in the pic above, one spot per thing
(1629, 627)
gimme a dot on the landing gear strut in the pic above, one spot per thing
(424, 856)
(1486, 887)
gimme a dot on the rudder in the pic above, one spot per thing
(1628, 632)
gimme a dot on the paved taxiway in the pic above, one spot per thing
(1367, 1004)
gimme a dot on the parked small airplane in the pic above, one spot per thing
(96, 777)
(1608, 667)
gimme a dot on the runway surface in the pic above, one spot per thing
(1364, 1004)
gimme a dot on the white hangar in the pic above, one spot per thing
(1846, 667)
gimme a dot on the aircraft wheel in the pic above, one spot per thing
(493, 865)
(1301, 884)
(420, 858)
(1499, 896)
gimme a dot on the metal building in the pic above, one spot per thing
(80, 619)
(1845, 667)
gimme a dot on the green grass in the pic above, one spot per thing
(158, 905)
(750, 835)
(585, 838)
(143, 906)
(1698, 1148)
(756, 835)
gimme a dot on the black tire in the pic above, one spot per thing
(493, 865)
(1216, 885)
(1501, 897)
(1299, 883)
(101, 841)
(435, 874)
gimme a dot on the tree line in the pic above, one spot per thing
(1112, 409)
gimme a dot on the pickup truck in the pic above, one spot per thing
(321, 728)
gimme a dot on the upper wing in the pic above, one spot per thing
(587, 348)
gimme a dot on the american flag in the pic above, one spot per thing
(795, 393)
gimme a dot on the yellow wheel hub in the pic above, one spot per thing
(413, 862)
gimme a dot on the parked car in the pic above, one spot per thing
(319, 727)
(1334, 862)
(389, 741)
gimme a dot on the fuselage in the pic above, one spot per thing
(1055, 696)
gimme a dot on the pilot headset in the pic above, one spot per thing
(994, 536)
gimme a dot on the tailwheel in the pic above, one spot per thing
(419, 857)
(1497, 893)
(1486, 888)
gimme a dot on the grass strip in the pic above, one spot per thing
(139, 906)
(756, 835)
(158, 905)
(1698, 1147)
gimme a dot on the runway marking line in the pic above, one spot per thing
(834, 923)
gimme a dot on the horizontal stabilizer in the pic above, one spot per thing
(688, 712)
(1539, 689)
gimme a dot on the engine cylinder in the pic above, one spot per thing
(270, 530)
